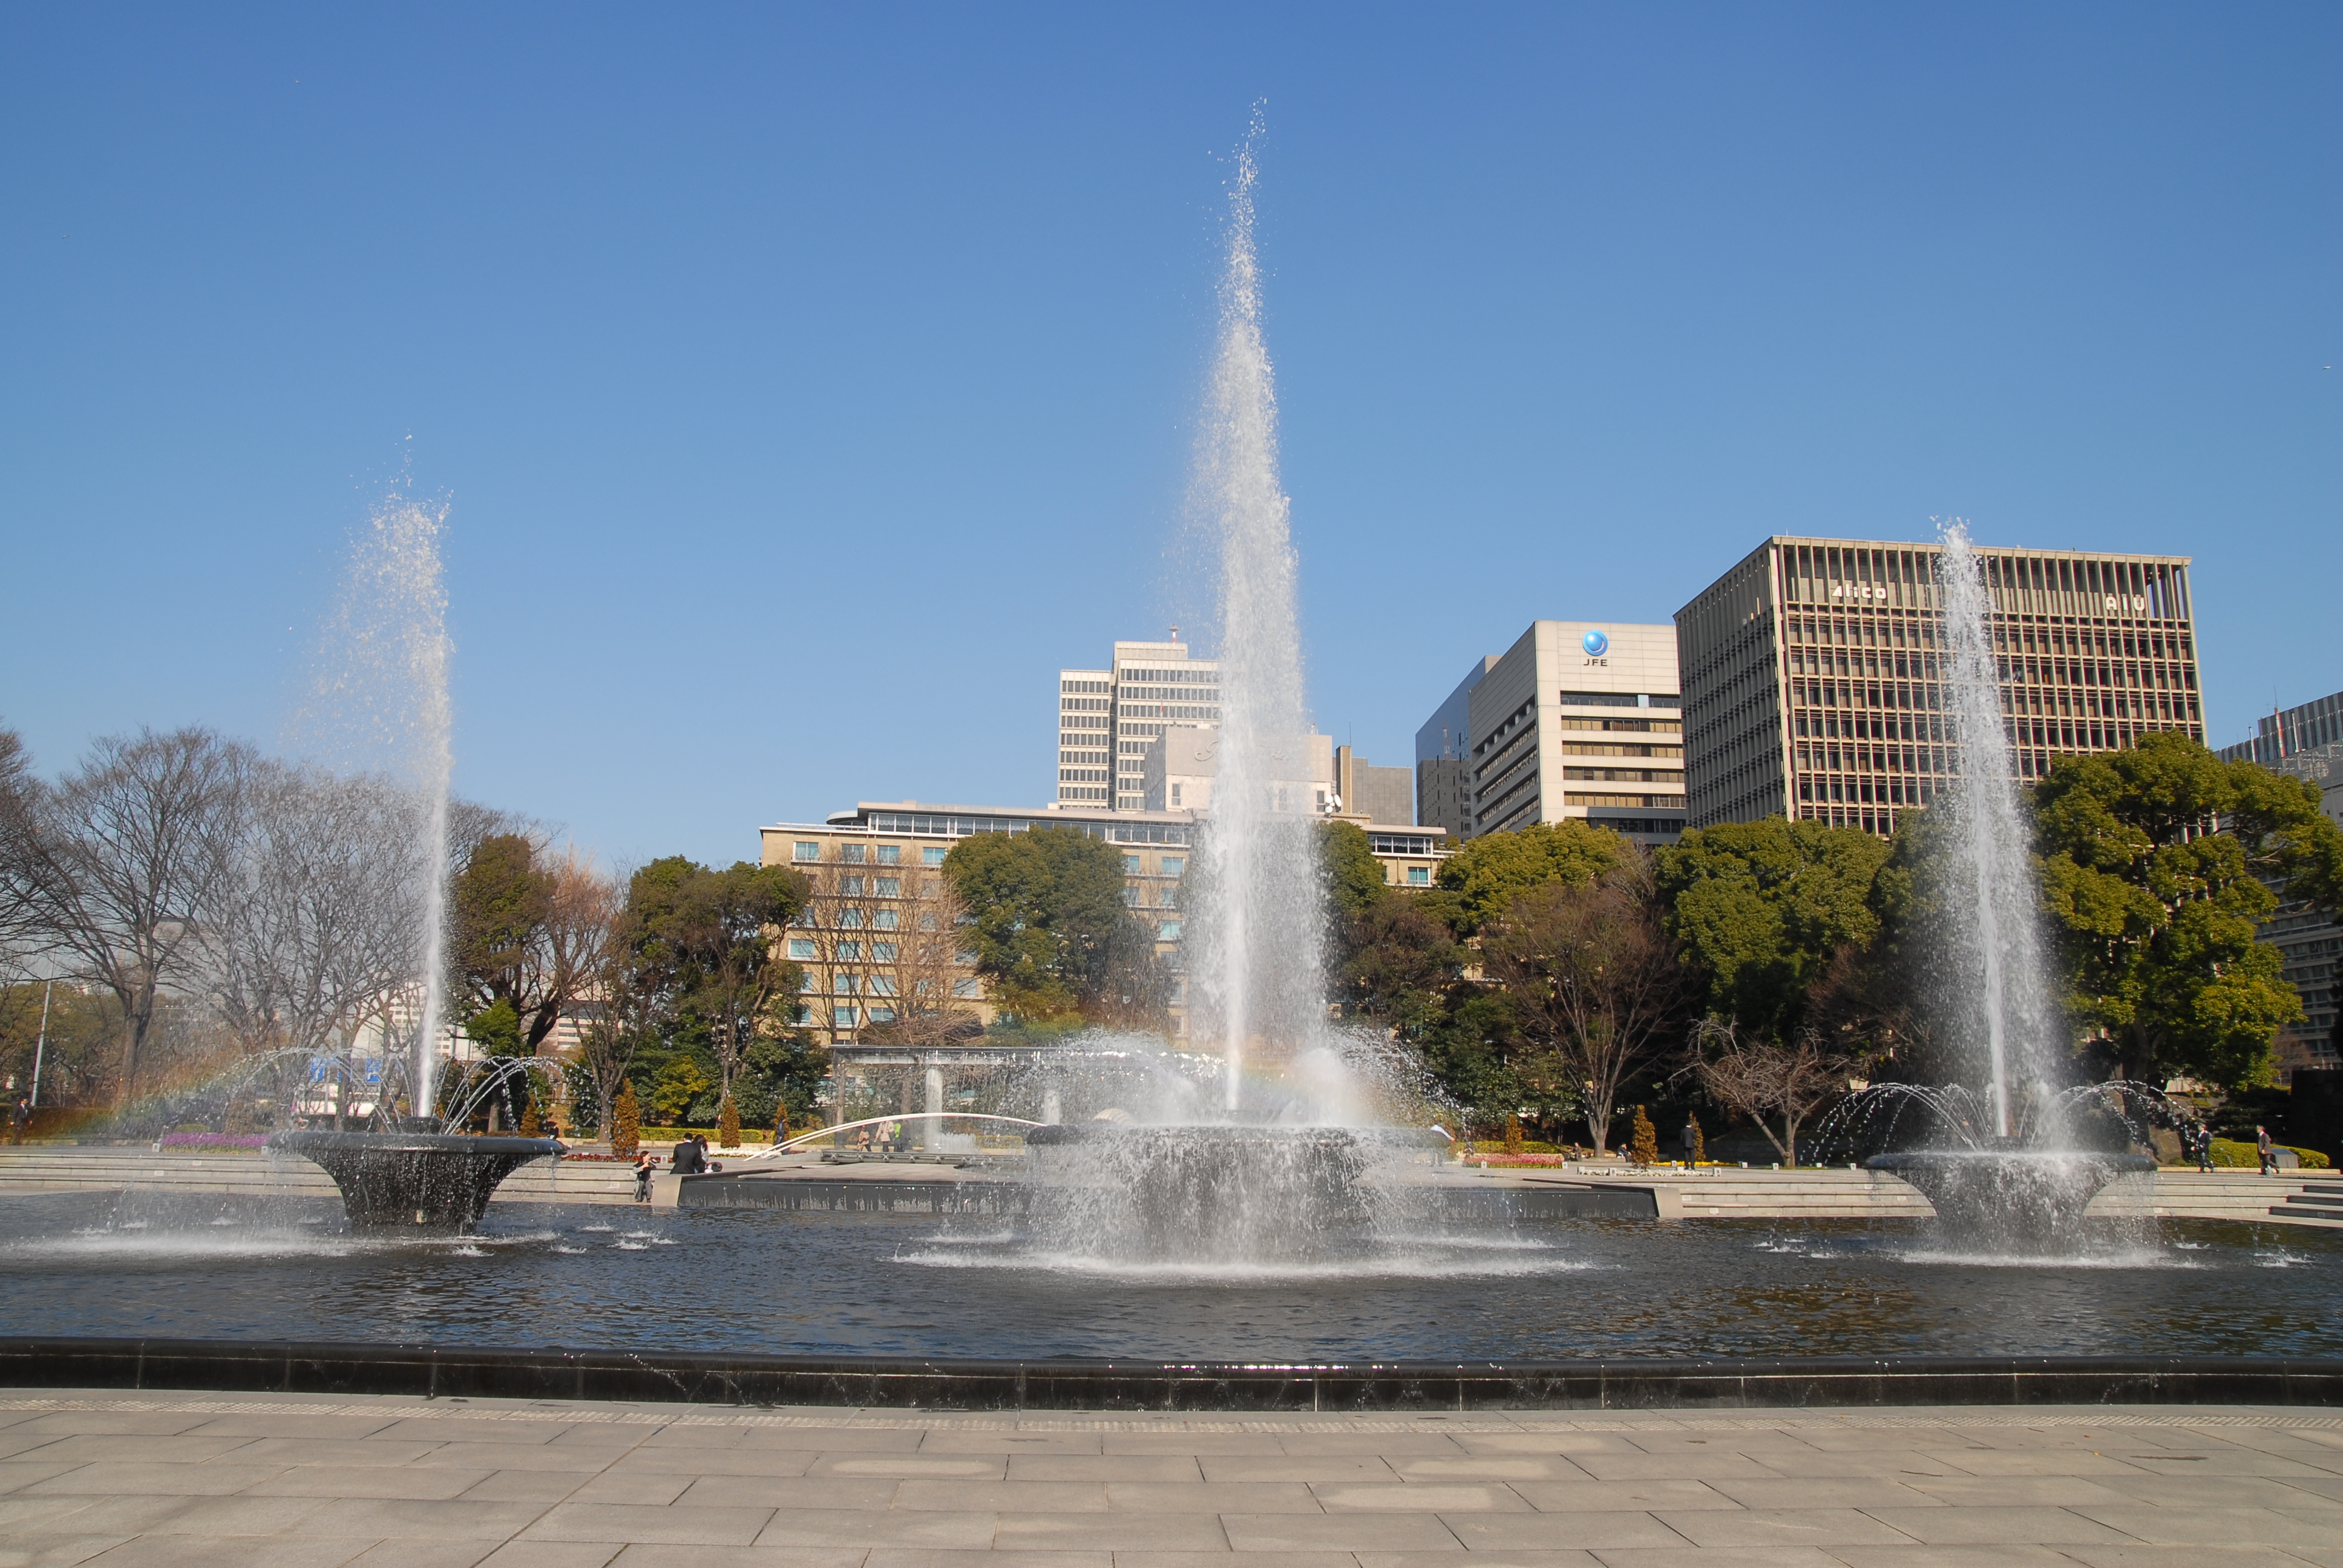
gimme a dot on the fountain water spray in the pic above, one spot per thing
(384, 683)
(1996, 931)
(2022, 1183)
(1257, 928)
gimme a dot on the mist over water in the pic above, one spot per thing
(1259, 949)
(380, 702)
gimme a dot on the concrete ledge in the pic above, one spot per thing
(909, 1383)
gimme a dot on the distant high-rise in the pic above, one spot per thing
(1385, 796)
(1577, 721)
(1441, 797)
(1812, 685)
(2291, 731)
(1580, 719)
(1107, 718)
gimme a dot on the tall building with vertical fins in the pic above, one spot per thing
(1813, 685)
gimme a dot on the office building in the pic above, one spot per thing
(1180, 763)
(1107, 717)
(879, 926)
(878, 891)
(1178, 770)
(2308, 938)
(1578, 719)
(1439, 791)
(1377, 794)
(1814, 685)
(2290, 730)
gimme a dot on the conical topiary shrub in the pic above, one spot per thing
(1513, 1135)
(727, 1125)
(626, 1123)
(1645, 1150)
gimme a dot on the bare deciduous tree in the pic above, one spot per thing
(835, 939)
(317, 907)
(1759, 1079)
(121, 860)
(929, 977)
(618, 1000)
(22, 933)
(1592, 981)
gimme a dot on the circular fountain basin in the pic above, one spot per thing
(408, 1181)
(2032, 1197)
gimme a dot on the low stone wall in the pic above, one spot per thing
(59, 1168)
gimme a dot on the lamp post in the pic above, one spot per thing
(40, 1046)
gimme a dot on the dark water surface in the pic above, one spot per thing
(774, 1282)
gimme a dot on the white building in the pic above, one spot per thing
(1107, 719)
(1578, 719)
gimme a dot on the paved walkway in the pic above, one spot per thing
(310, 1482)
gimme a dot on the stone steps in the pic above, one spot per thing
(1727, 1193)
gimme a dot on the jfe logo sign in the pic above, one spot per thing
(1596, 645)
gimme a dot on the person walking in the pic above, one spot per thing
(20, 1116)
(2269, 1150)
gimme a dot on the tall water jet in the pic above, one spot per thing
(1994, 923)
(1260, 949)
(383, 684)
(2023, 1185)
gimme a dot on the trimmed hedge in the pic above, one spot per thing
(2228, 1154)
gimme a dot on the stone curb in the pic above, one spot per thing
(910, 1382)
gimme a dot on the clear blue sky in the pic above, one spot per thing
(810, 383)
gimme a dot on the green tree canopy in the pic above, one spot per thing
(713, 938)
(1354, 878)
(2156, 912)
(1759, 908)
(1400, 962)
(1045, 911)
(1489, 870)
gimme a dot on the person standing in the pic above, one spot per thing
(2204, 1136)
(20, 1116)
(646, 1166)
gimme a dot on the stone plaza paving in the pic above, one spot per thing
(387, 1482)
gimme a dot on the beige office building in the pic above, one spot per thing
(1814, 686)
(1579, 719)
(873, 934)
(1107, 718)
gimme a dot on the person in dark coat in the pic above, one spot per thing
(688, 1159)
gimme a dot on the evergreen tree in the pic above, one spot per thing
(1644, 1148)
(626, 1123)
